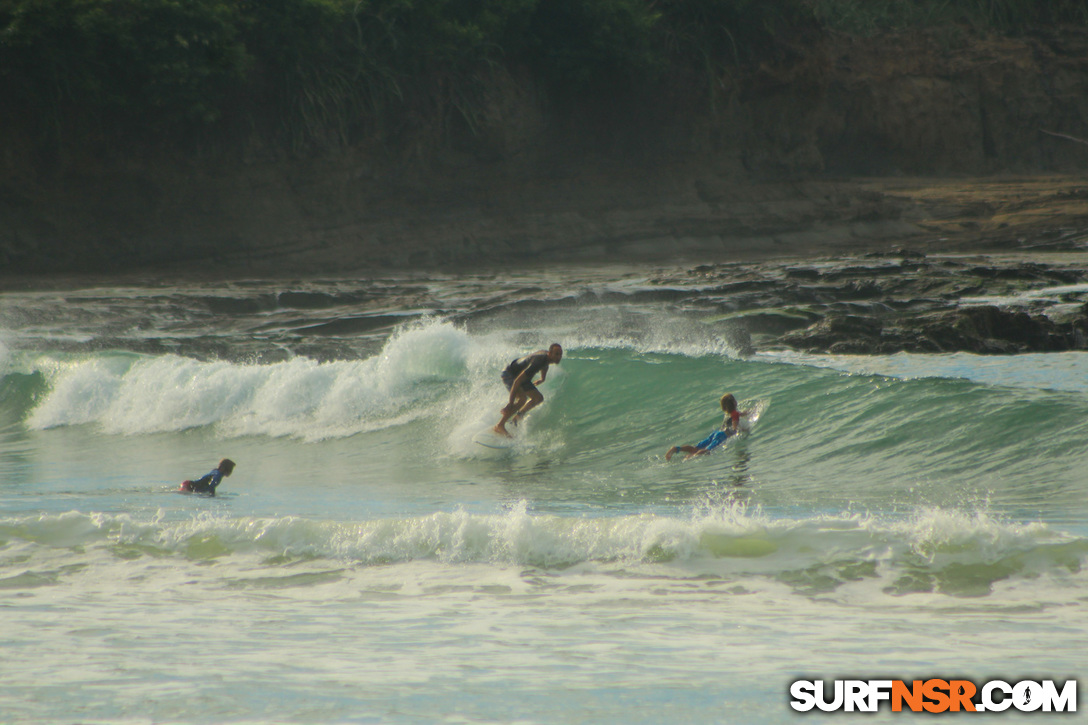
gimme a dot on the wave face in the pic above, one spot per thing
(612, 408)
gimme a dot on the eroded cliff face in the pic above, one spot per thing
(771, 166)
(920, 107)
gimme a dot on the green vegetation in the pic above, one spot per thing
(66, 58)
(319, 74)
(1009, 16)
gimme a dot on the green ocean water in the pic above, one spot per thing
(368, 561)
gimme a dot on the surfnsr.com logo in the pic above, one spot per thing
(934, 695)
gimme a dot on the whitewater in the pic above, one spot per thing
(904, 517)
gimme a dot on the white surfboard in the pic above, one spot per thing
(754, 413)
(490, 439)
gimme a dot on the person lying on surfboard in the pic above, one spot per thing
(209, 482)
(518, 379)
(730, 426)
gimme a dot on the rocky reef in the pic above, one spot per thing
(903, 301)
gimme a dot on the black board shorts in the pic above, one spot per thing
(527, 386)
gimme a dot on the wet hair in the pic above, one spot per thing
(555, 345)
(226, 465)
(729, 403)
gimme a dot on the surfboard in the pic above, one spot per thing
(754, 414)
(490, 439)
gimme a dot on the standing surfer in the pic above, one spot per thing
(518, 379)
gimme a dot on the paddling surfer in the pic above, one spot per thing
(210, 481)
(730, 426)
(518, 379)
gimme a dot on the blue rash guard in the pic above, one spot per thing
(207, 483)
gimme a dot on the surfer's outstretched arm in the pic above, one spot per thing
(690, 450)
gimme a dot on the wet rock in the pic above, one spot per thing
(837, 333)
(806, 273)
(843, 307)
(740, 340)
(774, 321)
(989, 330)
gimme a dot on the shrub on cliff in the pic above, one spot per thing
(105, 62)
(873, 16)
(319, 74)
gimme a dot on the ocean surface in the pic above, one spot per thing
(906, 517)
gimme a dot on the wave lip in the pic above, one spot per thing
(300, 397)
(424, 367)
(934, 552)
(1055, 371)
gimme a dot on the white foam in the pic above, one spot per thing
(1041, 371)
(429, 369)
(1027, 297)
(724, 539)
(300, 397)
